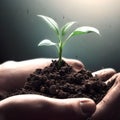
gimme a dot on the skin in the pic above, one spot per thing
(109, 107)
(36, 107)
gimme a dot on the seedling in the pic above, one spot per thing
(61, 34)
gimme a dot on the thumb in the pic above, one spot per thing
(36, 107)
(78, 108)
(67, 109)
(71, 109)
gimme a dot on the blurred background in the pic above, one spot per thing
(21, 30)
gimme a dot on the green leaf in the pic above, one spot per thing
(50, 22)
(47, 42)
(83, 30)
(66, 27)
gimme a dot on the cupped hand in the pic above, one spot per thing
(37, 107)
(13, 74)
(34, 107)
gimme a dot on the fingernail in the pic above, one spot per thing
(87, 107)
(78, 66)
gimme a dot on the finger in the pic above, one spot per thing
(76, 64)
(109, 107)
(35, 107)
(112, 79)
(104, 74)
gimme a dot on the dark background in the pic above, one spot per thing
(21, 30)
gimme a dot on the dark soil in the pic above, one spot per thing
(62, 83)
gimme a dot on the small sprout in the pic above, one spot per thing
(61, 33)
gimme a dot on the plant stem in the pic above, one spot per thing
(60, 54)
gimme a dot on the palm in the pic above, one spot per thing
(14, 74)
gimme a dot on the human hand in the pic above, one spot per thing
(22, 73)
(36, 107)
(14, 74)
(109, 107)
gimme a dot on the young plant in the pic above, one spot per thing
(61, 34)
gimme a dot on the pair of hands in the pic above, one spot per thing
(36, 107)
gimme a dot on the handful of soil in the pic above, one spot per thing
(63, 82)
